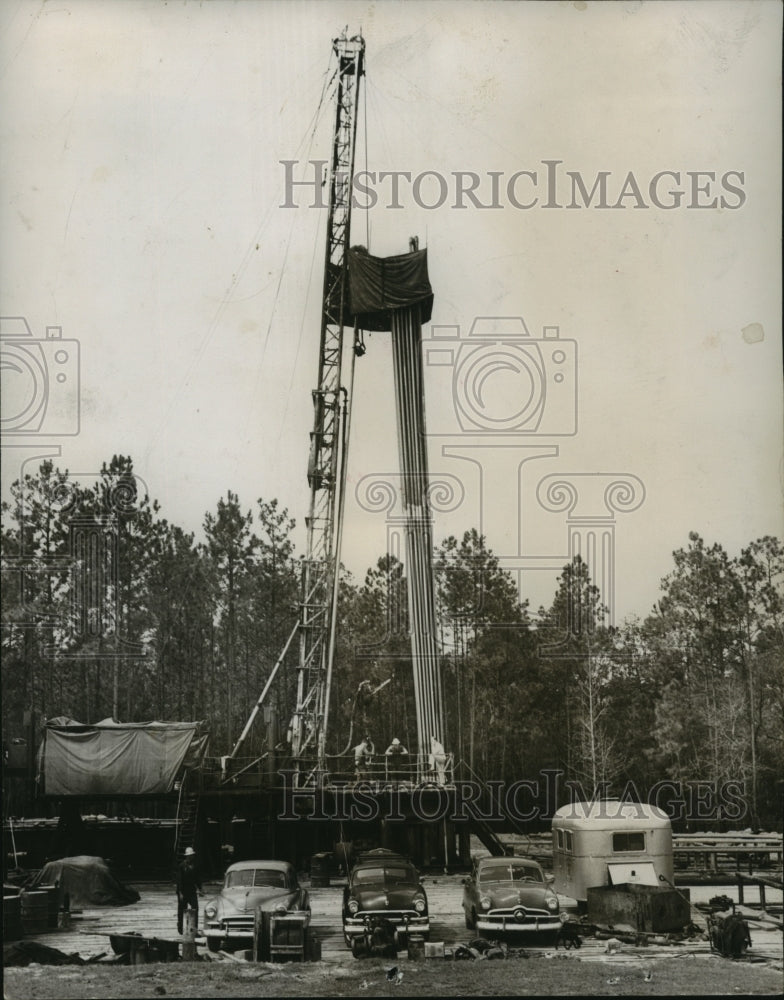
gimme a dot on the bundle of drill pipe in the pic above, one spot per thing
(394, 294)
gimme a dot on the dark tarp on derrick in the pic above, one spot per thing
(112, 758)
(87, 880)
(379, 285)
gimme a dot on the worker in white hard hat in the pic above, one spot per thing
(395, 752)
(188, 887)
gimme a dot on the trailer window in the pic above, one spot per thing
(623, 842)
(567, 841)
(559, 839)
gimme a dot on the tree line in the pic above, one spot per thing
(111, 611)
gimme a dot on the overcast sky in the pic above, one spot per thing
(141, 212)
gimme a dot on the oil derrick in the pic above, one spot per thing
(360, 293)
(326, 463)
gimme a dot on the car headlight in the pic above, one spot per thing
(552, 903)
(484, 902)
(420, 905)
(353, 906)
(210, 911)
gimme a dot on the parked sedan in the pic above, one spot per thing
(509, 894)
(248, 885)
(384, 886)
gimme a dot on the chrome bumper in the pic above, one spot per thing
(403, 924)
(506, 923)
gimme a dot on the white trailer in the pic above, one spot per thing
(608, 842)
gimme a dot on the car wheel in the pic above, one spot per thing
(358, 947)
(213, 944)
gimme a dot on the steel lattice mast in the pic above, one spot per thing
(326, 459)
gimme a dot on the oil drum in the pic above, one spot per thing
(35, 911)
(12, 918)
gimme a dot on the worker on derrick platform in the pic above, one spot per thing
(438, 760)
(395, 752)
(363, 757)
(362, 704)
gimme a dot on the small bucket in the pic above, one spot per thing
(313, 947)
(416, 947)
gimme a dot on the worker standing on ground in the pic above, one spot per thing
(188, 887)
(394, 752)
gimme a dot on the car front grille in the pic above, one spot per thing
(244, 923)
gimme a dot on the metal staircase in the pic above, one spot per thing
(489, 805)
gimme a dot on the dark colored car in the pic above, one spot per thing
(271, 885)
(386, 886)
(510, 894)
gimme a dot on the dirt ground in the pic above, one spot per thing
(539, 975)
(532, 968)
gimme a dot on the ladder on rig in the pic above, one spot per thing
(187, 820)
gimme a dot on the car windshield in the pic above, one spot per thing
(510, 872)
(256, 878)
(384, 873)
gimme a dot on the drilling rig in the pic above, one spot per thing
(360, 292)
